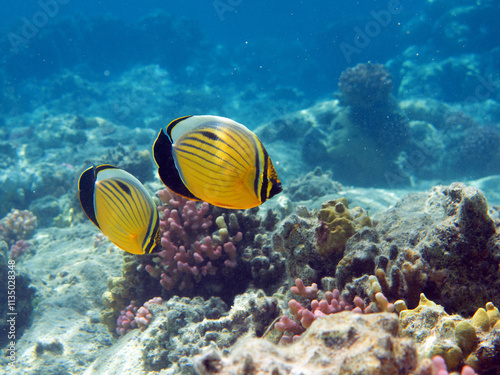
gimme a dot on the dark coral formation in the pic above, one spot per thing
(366, 86)
(478, 151)
(366, 89)
(184, 327)
(414, 253)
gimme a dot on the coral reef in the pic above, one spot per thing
(18, 225)
(69, 101)
(337, 223)
(331, 303)
(188, 253)
(293, 238)
(426, 243)
(342, 343)
(16, 228)
(335, 344)
(310, 258)
(135, 317)
(366, 86)
(200, 256)
(184, 327)
(457, 340)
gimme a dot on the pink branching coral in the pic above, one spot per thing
(19, 248)
(16, 228)
(135, 317)
(300, 289)
(440, 368)
(17, 225)
(330, 304)
(188, 251)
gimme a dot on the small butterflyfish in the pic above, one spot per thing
(121, 207)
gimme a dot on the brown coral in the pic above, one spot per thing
(337, 223)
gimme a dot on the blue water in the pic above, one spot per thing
(142, 65)
(296, 44)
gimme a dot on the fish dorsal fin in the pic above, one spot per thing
(187, 123)
(174, 135)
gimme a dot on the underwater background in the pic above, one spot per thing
(382, 121)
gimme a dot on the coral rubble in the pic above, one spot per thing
(336, 344)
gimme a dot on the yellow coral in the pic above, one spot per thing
(424, 302)
(481, 320)
(493, 313)
(465, 336)
(337, 224)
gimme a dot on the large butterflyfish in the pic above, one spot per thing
(216, 160)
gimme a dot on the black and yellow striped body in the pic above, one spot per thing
(216, 160)
(119, 205)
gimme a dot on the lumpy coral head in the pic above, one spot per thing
(366, 86)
